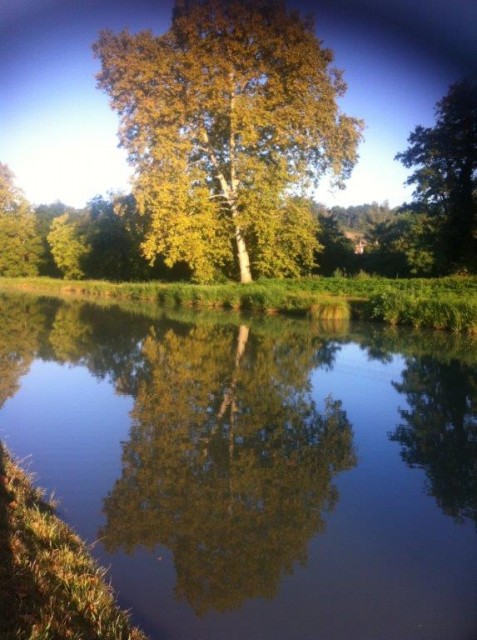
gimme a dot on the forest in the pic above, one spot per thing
(103, 241)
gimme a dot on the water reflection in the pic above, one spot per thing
(229, 462)
(21, 322)
(105, 340)
(439, 430)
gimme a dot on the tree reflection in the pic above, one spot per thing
(22, 321)
(439, 433)
(229, 462)
(106, 341)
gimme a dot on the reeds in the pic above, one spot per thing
(440, 311)
(439, 303)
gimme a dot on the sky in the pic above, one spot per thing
(59, 136)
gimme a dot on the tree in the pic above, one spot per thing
(114, 254)
(404, 246)
(20, 245)
(338, 250)
(10, 195)
(227, 117)
(446, 176)
(68, 246)
(362, 217)
(44, 215)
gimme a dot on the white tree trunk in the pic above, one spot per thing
(229, 194)
(243, 257)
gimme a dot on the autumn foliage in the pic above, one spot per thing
(228, 118)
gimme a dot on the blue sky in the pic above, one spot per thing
(58, 134)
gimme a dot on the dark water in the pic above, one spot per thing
(255, 479)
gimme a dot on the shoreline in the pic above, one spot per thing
(50, 586)
(448, 303)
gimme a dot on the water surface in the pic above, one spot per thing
(255, 479)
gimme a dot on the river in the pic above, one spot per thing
(254, 478)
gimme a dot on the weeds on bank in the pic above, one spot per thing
(50, 587)
(441, 311)
(439, 303)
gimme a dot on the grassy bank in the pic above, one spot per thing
(50, 587)
(441, 303)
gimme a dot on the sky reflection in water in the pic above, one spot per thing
(255, 478)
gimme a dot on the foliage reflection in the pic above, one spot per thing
(22, 321)
(229, 463)
(439, 430)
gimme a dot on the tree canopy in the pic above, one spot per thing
(20, 245)
(445, 157)
(405, 246)
(68, 245)
(227, 118)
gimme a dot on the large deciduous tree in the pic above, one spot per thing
(446, 175)
(227, 118)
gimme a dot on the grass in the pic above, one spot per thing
(440, 303)
(441, 311)
(50, 587)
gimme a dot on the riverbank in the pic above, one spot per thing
(441, 303)
(50, 586)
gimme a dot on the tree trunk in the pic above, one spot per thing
(242, 252)
(243, 257)
(230, 197)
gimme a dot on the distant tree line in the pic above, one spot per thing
(99, 241)
(434, 235)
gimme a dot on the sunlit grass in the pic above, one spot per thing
(50, 587)
(442, 310)
(440, 303)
